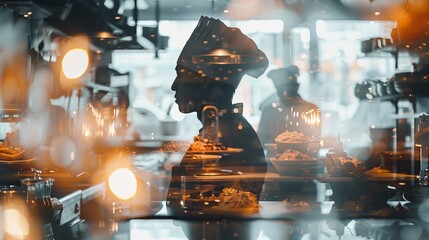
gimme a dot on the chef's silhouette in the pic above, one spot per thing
(209, 69)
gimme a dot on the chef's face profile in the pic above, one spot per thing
(187, 94)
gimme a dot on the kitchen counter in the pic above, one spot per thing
(274, 222)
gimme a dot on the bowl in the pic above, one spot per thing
(297, 146)
(298, 167)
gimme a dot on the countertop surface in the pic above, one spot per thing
(302, 226)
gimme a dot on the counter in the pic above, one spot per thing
(274, 222)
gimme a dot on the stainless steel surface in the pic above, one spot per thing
(71, 204)
(70, 207)
(92, 193)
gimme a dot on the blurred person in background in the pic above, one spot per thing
(292, 112)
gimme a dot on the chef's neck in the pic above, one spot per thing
(224, 105)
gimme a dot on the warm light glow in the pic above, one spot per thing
(75, 63)
(377, 13)
(220, 52)
(63, 151)
(104, 34)
(15, 223)
(123, 183)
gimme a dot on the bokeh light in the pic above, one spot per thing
(123, 183)
(75, 63)
(220, 52)
(63, 151)
(16, 223)
(38, 98)
(32, 131)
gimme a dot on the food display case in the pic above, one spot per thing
(74, 163)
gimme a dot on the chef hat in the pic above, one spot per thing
(284, 76)
(221, 53)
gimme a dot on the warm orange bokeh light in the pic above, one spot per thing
(16, 223)
(75, 63)
(123, 183)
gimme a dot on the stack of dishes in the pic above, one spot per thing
(292, 158)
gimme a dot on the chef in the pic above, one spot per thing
(209, 69)
(292, 112)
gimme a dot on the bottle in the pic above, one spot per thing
(210, 120)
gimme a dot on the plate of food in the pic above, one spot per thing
(14, 155)
(296, 163)
(226, 151)
(12, 150)
(228, 201)
(293, 140)
(205, 146)
(201, 157)
(233, 201)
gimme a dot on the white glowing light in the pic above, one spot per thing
(38, 98)
(123, 183)
(15, 223)
(63, 151)
(75, 63)
(320, 28)
(33, 129)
